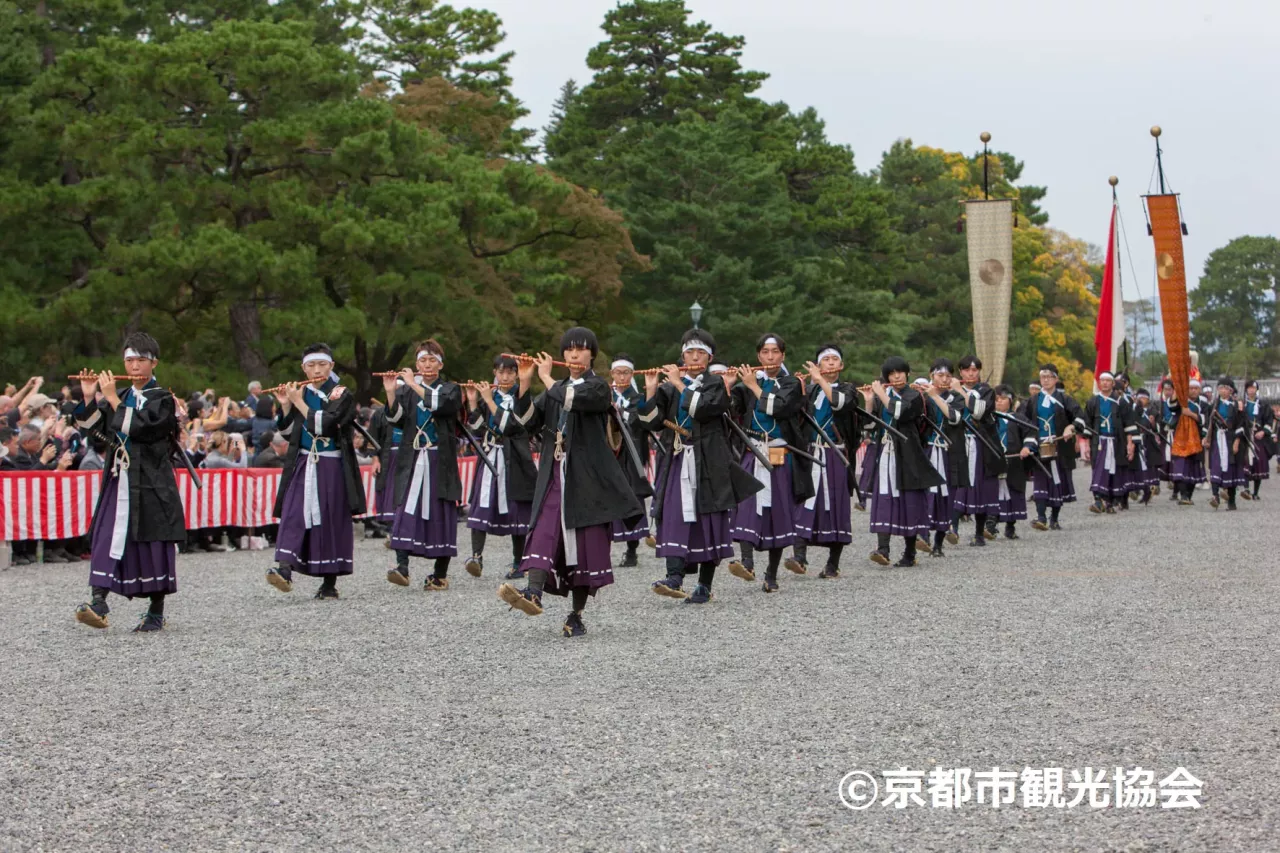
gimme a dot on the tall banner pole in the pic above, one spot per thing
(989, 235)
(1164, 220)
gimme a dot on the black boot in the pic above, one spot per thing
(799, 562)
(1010, 531)
(328, 588)
(938, 539)
(630, 559)
(153, 619)
(439, 580)
(1231, 498)
(909, 555)
(1053, 518)
(771, 572)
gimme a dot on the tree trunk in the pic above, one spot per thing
(246, 334)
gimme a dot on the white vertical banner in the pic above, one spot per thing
(989, 229)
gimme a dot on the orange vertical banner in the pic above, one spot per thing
(1166, 230)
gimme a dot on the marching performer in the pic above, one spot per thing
(428, 487)
(700, 485)
(981, 497)
(1187, 471)
(138, 521)
(944, 442)
(1110, 427)
(1013, 434)
(826, 517)
(1145, 472)
(627, 398)
(315, 507)
(771, 401)
(500, 502)
(1165, 414)
(388, 437)
(1057, 417)
(1228, 444)
(904, 475)
(580, 490)
(1261, 427)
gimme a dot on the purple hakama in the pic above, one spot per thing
(432, 537)
(775, 525)
(491, 519)
(325, 549)
(1054, 492)
(1013, 505)
(1109, 484)
(827, 517)
(940, 499)
(146, 568)
(1188, 469)
(707, 540)
(638, 532)
(983, 497)
(1224, 471)
(544, 550)
(903, 514)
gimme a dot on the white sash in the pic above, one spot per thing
(971, 450)
(570, 535)
(764, 498)
(498, 457)
(688, 484)
(1108, 453)
(120, 532)
(939, 465)
(888, 472)
(818, 472)
(1222, 449)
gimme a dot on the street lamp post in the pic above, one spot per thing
(695, 313)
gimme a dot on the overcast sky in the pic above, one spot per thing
(1071, 88)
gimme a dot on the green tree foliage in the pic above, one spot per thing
(1235, 321)
(243, 190)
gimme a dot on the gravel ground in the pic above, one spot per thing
(395, 719)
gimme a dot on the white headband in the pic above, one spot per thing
(622, 362)
(130, 352)
(1106, 374)
(942, 369)
(717, 369)
(696, 345)
(426, 354)
(921, 381)
(1195, 382)
(830, 351)
(312, 357)
(769, 340)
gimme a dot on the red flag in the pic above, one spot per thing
(1110, 332)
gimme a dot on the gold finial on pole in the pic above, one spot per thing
(1156, 131)
(1113, 180)
(984, 136)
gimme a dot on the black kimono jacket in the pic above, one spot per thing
(783, 403)
(1233, 425)
(444, 401)
(155, 509)
(953, 429)
(722, 484)
(1016, 437)
(1124, 427)
(843, 419)
(594, 489)
(333, 422)
(980, 404)
(505, 429)
(1264, 420)
(1066, 413)
(631, 401)
(915, 471)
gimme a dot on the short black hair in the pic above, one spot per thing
(970, 361)
(1142, 392)
(700, 335)
(144, 344)
(893, 364)
(501, 362)
(579, 336)
(323, 349)
(1049, 367)
(941, 364)
(6, 435)
(1003, 390)
(431, 345)
(1167, 383)
(764, 339)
